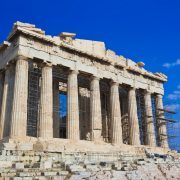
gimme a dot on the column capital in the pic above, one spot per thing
(114, 83)
(20, 57)
(148, 91)
(93, 77)
(159, 96)
(72, 71)
(132, 88)
(47, 64)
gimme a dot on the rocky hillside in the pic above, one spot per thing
(29, 165)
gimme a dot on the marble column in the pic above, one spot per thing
(95, 110)
(162, 131)
(5, 117)
(19, 106)
(1, 88)
(150, 134)
(56, 117)
(133, 118)
(46, 103)
(116, 127)
(72, 107)
(1, 96)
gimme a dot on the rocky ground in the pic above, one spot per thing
(47, 166)
(63, 160)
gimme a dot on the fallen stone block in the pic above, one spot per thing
(46, 165)
(18, 166)
(58, 177)
(49, 173)
(75, 168)
(92, 168)
(5, 164)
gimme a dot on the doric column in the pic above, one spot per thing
(72, 107)
(116, 128)
(19, 107)
(95, 110)
(6, 101)
(1, 98)
(46, 103)
(133, 118)
(162, 131)
(56, 117)
(150, 134)
(1, 88)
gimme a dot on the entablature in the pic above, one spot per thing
(33, 43)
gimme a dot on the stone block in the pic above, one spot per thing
(25, 146)
(27, 178)
(84, 174)
(92, 168)
(17, 178)
(5, 164)
(18, 165)
(75, 168)
(58, 178)
(117, 166)
(26, 174)
(9, 146)
(46, 165)
(41, 178)
(76, 177)
(50, 173)
(63, 173)
(140, 162)
(8, 174)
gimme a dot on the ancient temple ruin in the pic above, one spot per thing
(72, 109)
(66, 88)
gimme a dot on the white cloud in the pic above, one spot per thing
(168, 65)
(173, 107)
(174, 96)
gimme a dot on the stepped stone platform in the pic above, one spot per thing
(34, 158)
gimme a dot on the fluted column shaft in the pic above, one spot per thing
(95, 110)
(19, 107)
(116, 128)
(1, 98)
(46, 103)
(162, 130)
(56, 118)
(1, 88)
(73, 107)
(150, 134)
(133, 118)
(4, 101)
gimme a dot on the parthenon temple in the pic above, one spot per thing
(61, 87)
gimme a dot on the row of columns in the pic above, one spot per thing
(19, 108)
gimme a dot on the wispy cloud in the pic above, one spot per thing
(173, 107)
(174, 96)
(168, 65)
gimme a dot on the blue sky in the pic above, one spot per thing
(147, 31)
